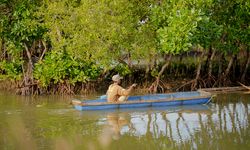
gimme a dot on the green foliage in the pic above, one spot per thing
(101, 31)
(123, 69)
(11, 70)
(208, 33)
(20, 26)
(175, 22)
(82, 36)
(154, 72)
(59, 67)
(234, 17)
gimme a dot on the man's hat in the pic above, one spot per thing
(117, 77)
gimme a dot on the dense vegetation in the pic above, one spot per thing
(69, 46)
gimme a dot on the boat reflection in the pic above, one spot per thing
(224, 123)
(152, 121)
(112, 130)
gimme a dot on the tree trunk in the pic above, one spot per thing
(28, 75)
(163, 68)
(146, 73)
(223, 77)
(1, 46)
(44, 51)
(209, 55)
(243, 77)
(1, 49)
(198, 72)
(58, 32)
(221, 61)
(210, 65)
(229, 66)
(149, 66)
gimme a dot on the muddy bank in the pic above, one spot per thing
(166, 85)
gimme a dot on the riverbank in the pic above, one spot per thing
(187, 72)
(166, 85)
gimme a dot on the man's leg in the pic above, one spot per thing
(123, 98)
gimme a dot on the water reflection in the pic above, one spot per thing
(223, 124)
(176, 123)
(112, 130)
(117, 122)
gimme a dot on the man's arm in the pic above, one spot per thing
(126, 92)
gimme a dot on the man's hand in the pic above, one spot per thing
(134, 85)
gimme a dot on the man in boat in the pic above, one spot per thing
(116, 92)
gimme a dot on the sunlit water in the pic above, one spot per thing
(46, 123)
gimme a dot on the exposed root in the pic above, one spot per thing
(223, 80)
(209, 81)
(185, 85)
(65, 88)
(247, 87)
(193, 85)
(158, 86)
(198, 83)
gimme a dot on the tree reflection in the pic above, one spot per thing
(219, 125)
(224, 124)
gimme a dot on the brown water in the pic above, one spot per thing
(48, 123)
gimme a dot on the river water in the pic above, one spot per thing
(51, 123)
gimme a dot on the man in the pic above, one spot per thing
(116, 92)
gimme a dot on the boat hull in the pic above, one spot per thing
(156, 100)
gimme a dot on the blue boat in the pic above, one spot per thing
(152, 100)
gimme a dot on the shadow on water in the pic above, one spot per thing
(223, 124)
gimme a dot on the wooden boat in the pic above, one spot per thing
(152, 100)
